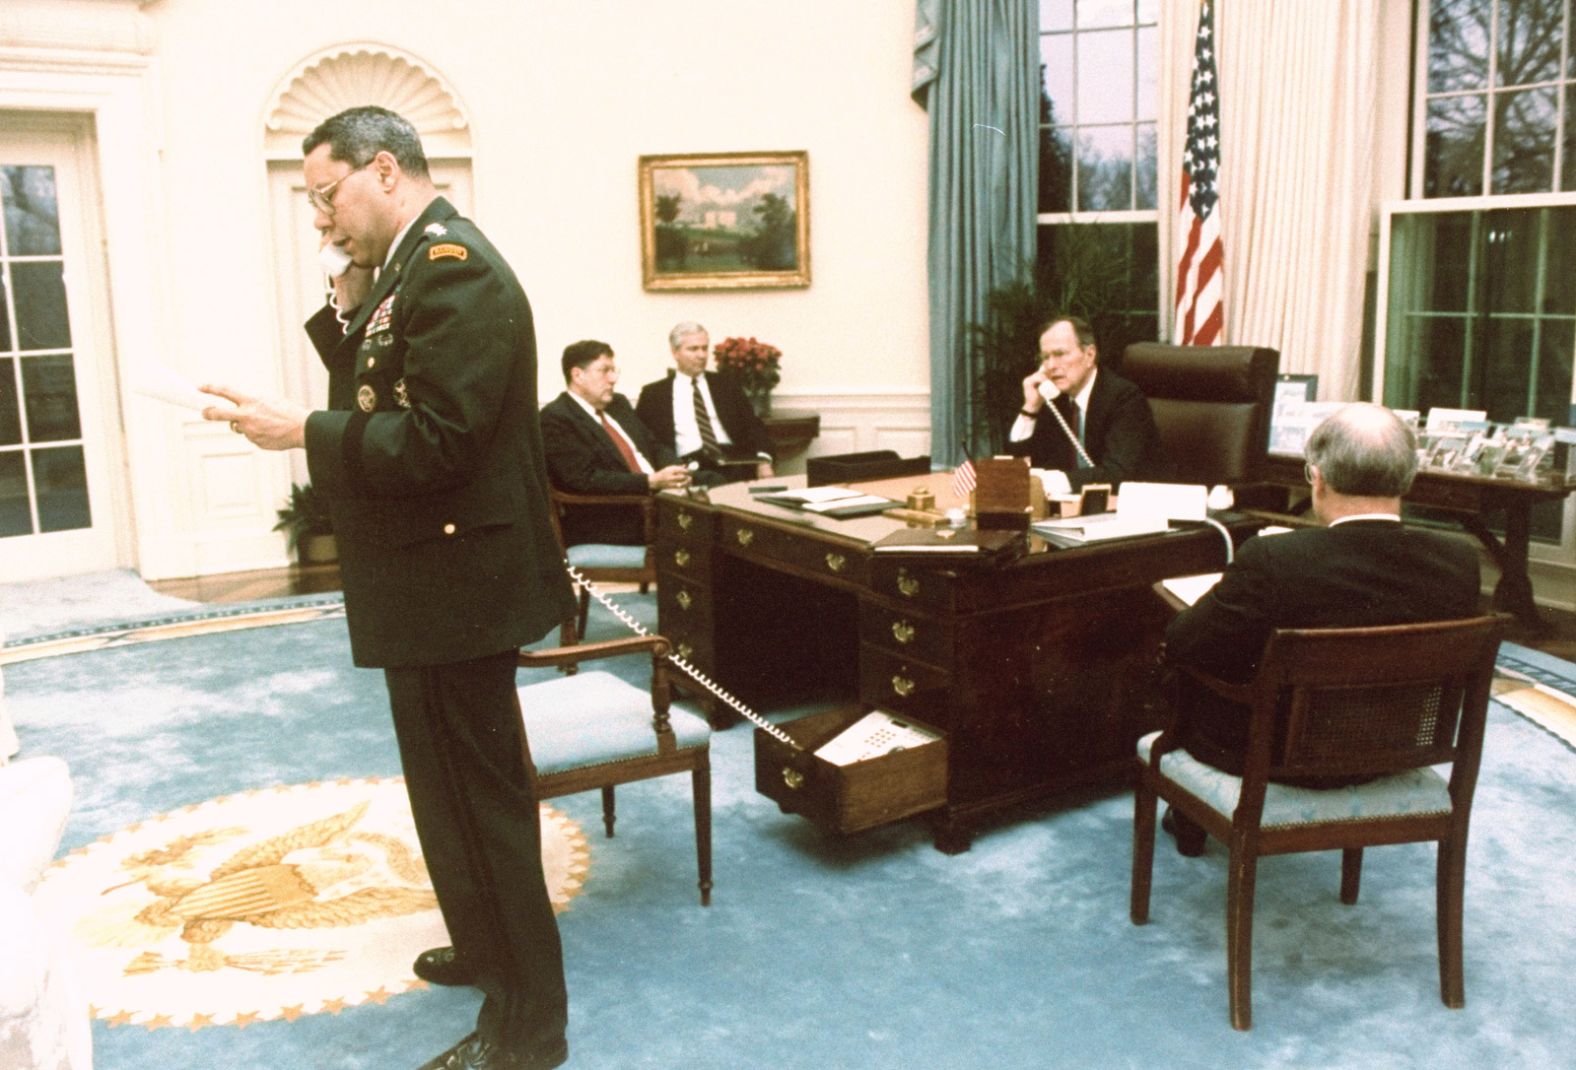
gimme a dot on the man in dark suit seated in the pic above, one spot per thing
(1105, 433)
(704, 416)
(596, 444)
(1363, 568)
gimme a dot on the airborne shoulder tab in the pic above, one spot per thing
(447, 251)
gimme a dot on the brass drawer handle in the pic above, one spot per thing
(745, 536)
(903, 686)
(685, 651)
(793, 778)
(681, 557)
(684, 599)
(686, 521)
(907, 585)
(903, 631)
(836, 562)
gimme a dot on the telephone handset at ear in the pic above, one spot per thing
(1048, 391)
(333, 260)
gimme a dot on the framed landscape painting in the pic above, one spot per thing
(729, 220)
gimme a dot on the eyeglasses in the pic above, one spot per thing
(322, 197)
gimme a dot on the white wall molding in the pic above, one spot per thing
(77, 26)
(853, 423)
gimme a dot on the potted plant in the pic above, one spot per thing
(756, 365)
(306, 523)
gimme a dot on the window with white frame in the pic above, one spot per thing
(1099, 62)
(1480, 293)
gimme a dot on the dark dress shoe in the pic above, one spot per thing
(1189, 836)
(474, 1053)
(441, 966)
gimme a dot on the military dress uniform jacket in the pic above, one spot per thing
(431, 454)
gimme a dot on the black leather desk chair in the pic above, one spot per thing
(1211, 403)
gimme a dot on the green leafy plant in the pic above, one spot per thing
(304, 515)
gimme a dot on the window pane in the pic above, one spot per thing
(10, 404)
(1458, 44)
(1524, 141)
(1056, 14)
(1510, 270)
(1056, 169)
(32, 216)
(1529, 41)
(61, 479)
(49, 389)
(5, 319)
(1500, 383)
(1148, 12)
(1144, 170)
(1107, 272)
(1148, 71)
(40, 306)
(1453, 152)
(1105, 168)
(1568, 163)
(1056, 79)
(15, 518)
(1097, 13)
(1105, 77)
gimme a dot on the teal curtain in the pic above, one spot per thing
(977, 72)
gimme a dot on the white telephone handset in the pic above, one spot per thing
(333, 260)
(1048, 391)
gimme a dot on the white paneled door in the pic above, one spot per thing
(58, 437)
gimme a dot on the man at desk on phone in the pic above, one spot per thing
(1081, 420)
(1362, 568)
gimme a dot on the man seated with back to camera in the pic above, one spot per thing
(1363, 568)
(1108, 415)
(595, 444)
(704, 416)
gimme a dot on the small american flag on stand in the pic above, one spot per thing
(1200, 305)
(963, 478)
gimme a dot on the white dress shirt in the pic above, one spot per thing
(1023, 426)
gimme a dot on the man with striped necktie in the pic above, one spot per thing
(704, 416)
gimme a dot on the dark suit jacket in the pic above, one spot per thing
(432, 458)
(1358, 574)
(582, 459)
(733, 409)
(1119, 435)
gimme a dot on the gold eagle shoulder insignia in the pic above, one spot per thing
(448, 251)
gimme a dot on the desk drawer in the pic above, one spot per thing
(690, 559)
(906, 634)
(682, 524)
(913, 584)
(683, 606)
(905, 686)
(816, 556)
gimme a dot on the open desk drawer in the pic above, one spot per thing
(848, 798)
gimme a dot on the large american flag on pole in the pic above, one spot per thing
(1200, 304)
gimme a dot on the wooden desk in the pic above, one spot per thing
(1041, 669)
(1473, 499)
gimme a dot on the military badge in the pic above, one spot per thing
(401, 394)
(367, 398)
(382, 316)
(448, 251)
(437, 230)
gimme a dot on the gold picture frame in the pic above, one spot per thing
(725, 221)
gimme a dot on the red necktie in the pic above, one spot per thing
(624, 448)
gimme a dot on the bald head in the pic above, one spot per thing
(1365, 451)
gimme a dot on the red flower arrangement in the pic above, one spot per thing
(754, 362)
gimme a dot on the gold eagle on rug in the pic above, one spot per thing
(313, 876)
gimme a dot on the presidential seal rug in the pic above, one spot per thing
(268, 904)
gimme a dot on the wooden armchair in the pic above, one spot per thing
(594, 730)
(1389, 703)
(605, 562)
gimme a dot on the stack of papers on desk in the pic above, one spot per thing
(1078, 530)
(830, 501)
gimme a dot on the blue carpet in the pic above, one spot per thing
(867, 952)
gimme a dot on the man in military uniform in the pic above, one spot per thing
(431, 454)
